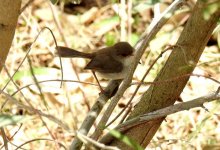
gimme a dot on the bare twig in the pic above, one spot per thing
(26, 5)
(198, 102)
(10, 138)
(139, 85)
(123, 18)
(29, 49)
(36, 82)
(59, 27)
(4, 136)
(129, 22)
(90, 141)
(180, 77)
(31, 109)
(27, 101)
(39, 139)
(93, 113)
(55, 80)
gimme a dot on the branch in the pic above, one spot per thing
(32, 109)
(90, 141)
(26, 5)
(198, 102)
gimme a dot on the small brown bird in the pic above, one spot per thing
(110, 62)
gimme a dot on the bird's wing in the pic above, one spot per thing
(104, 64)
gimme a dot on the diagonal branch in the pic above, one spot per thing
(198, 102)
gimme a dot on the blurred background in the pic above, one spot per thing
(88, 25)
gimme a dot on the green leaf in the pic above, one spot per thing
(6, 120)
(209, 10)
(37, 71)
(107, 22)
(110, 39)
(130, 142)
(218, 40)
(134, 38)
(141, 7)
(216, 33)
(54, 1)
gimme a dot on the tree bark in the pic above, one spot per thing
(9, 12)
(182, 60)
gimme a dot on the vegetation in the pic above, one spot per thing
(38, 112)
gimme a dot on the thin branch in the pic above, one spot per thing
(26, 5)
(88, 141)
(138, 86)
(59, 27)
(36, 82)
(31, 109)
(198, 102)
(40, 139)
(94, 112)
(26, 100)
(180, 77)
(55, 80)
(4, 137)
(28, 51)
(12, 136)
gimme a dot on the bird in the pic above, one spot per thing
(110, 62)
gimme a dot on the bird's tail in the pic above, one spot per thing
(68, 52)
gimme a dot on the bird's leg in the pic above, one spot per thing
(108, 93)
(100, 87)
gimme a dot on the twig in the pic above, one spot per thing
(31, 109)
(5, 140)
(180, 77)
(123, 18)
(93, 113)
(36, 82)
(137, 88)
(55, 80)
(26, 100)
(26, 5)
(10, 138)
(29, 49)
(59, 27)
(129, 22)
(13, 145)
(198, 102)
(89, 141)
(129, 108)
(39, 140)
